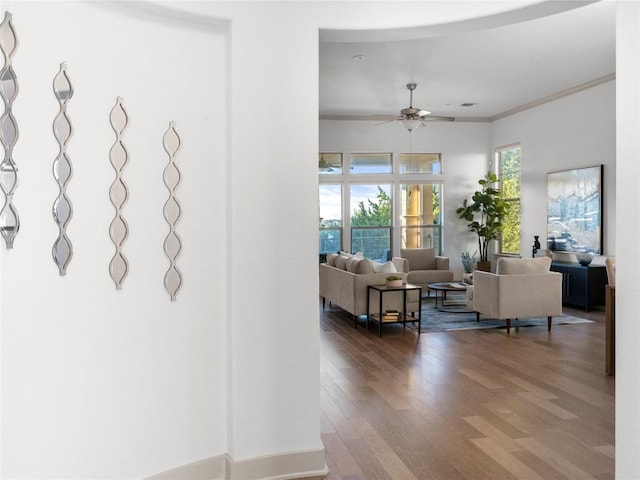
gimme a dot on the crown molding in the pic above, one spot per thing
(520, 108)
(555, 96)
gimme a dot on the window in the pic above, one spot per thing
(330, 218)
(370, 163)
(371, 202)
(420, 215)
(330, 163)
(371, 220)
(419, 163)
(509, 173)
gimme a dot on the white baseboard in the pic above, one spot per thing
(212, 468)
(282, 466)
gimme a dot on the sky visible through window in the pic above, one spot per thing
(331, 199)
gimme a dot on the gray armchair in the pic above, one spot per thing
(423, 266)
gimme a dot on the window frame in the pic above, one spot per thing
(516, 200)
(395, 179)
(436, 227)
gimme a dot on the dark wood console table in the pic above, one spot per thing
(582, 287)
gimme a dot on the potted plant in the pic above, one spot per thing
(468, 264)
(485, 213)
(394, 281)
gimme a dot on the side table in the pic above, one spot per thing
(401, 317)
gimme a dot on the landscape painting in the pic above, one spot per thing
(574, 206)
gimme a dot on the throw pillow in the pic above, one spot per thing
(352, 264)
(331, 259)
(365, 266)
(387, 267)
(341, 262)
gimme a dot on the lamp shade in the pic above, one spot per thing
(411, 124)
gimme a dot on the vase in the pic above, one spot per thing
(467, 277)
(394, 283)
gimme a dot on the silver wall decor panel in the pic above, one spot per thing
(9, 219)
(118, 193)
(62, 211)
(172, 211)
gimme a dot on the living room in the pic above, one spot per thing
(227, 374)
(556, 133)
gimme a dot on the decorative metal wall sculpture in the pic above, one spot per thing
(118, 193)
(9, 220)
(172, 243)
(62, 211)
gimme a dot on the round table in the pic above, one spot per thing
(443, 288)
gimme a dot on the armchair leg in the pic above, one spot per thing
(548, 324)
(477, 316)
(508, 326)
(323, 302)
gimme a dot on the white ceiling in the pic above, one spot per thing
(499, 69)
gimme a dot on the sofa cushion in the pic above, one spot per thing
(359, 265)
(515, 266)
(365, 266)
(331, 259)
(420, 258)
(352, 264)
(387, 267)
(341, 261)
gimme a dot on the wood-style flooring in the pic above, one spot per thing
(476, 404)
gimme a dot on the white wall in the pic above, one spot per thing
(575, 131)
(104, 384)
(627, 253)
(274, 393)
(99, 383)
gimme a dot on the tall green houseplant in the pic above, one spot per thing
(485, 213)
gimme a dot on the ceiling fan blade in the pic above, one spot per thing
(382, 123)
(438, 118)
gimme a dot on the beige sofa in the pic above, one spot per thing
(423, 266)
(520, 288)
(344, 280)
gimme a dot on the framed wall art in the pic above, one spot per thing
(574, 210)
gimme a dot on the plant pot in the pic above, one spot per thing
(394, 283)
(483, 266)
(467, 277)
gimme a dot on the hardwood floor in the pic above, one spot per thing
(476, 404)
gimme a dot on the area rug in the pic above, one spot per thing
(436, 321)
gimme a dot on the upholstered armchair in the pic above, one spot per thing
(423, 266)
(520, 288)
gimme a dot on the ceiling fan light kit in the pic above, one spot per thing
(410, 124)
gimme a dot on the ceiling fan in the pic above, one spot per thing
(412, 117)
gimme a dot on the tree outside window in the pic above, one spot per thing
(371, 220)
(509, 168)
